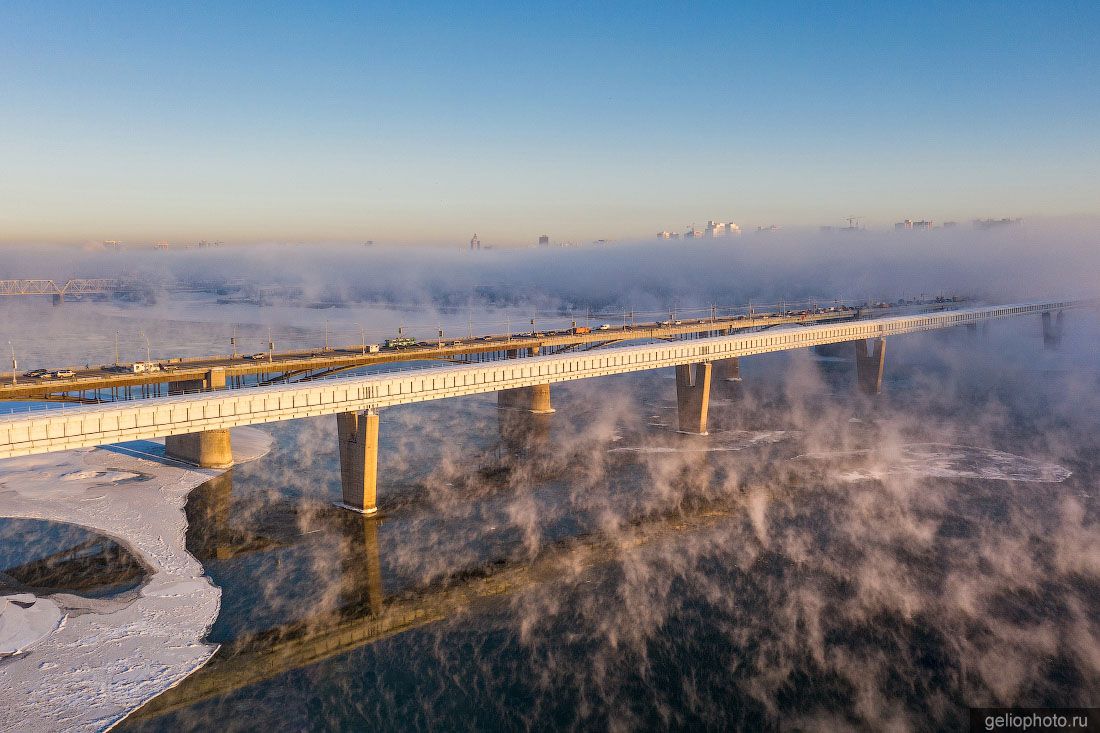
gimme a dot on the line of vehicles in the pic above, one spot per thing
(138, 367)
(47, 374)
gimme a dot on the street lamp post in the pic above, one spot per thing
(362, 337)
(14, 364)
(148, 350)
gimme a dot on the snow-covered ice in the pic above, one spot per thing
(25, 620)
(83, 664)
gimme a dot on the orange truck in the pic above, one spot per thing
(581, 329)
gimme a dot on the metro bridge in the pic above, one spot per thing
(196, 426)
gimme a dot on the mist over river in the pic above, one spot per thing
(821, 560)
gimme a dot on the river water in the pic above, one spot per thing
(820, 560)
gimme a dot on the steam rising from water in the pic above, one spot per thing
(836, 562)
(819, 559)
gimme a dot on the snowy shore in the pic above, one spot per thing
(75, 664)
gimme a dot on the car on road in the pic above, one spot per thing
(64, 373)
(258, 356)
(35, 373)
(604, 327)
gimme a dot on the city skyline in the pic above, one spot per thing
(420, 124)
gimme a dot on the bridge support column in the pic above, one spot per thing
(58, 298)
(1052, 329)
(534, 399)
(727, 370)
(869, 365)
(214, 379)
(210, 448)
(693, 397)
(358, 433)
(523, 432)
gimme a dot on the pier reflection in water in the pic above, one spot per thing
(588, 570)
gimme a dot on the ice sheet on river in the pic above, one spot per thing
(938, 460)
(717, 442)
(88, 670)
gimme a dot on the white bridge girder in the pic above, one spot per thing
(93, 425)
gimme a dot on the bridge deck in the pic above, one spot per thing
(93, 425)
(350, 357)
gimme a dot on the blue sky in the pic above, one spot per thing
(321, 121)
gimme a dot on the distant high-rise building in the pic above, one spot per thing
(475, 243)
(112, 245)
(544, 240)
(693, 233)
(161, 244)
(994, 223)
(717, 229)
(908, 224)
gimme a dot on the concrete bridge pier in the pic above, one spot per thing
(1052, 329)
(209, 448)
(523, 432)
(534, 399)
(58, 298)
(727, 370)
(869, 365)
(693, 397)
(358, 434)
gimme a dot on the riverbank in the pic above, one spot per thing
(74, 664)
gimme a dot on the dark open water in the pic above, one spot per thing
(821, 560)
